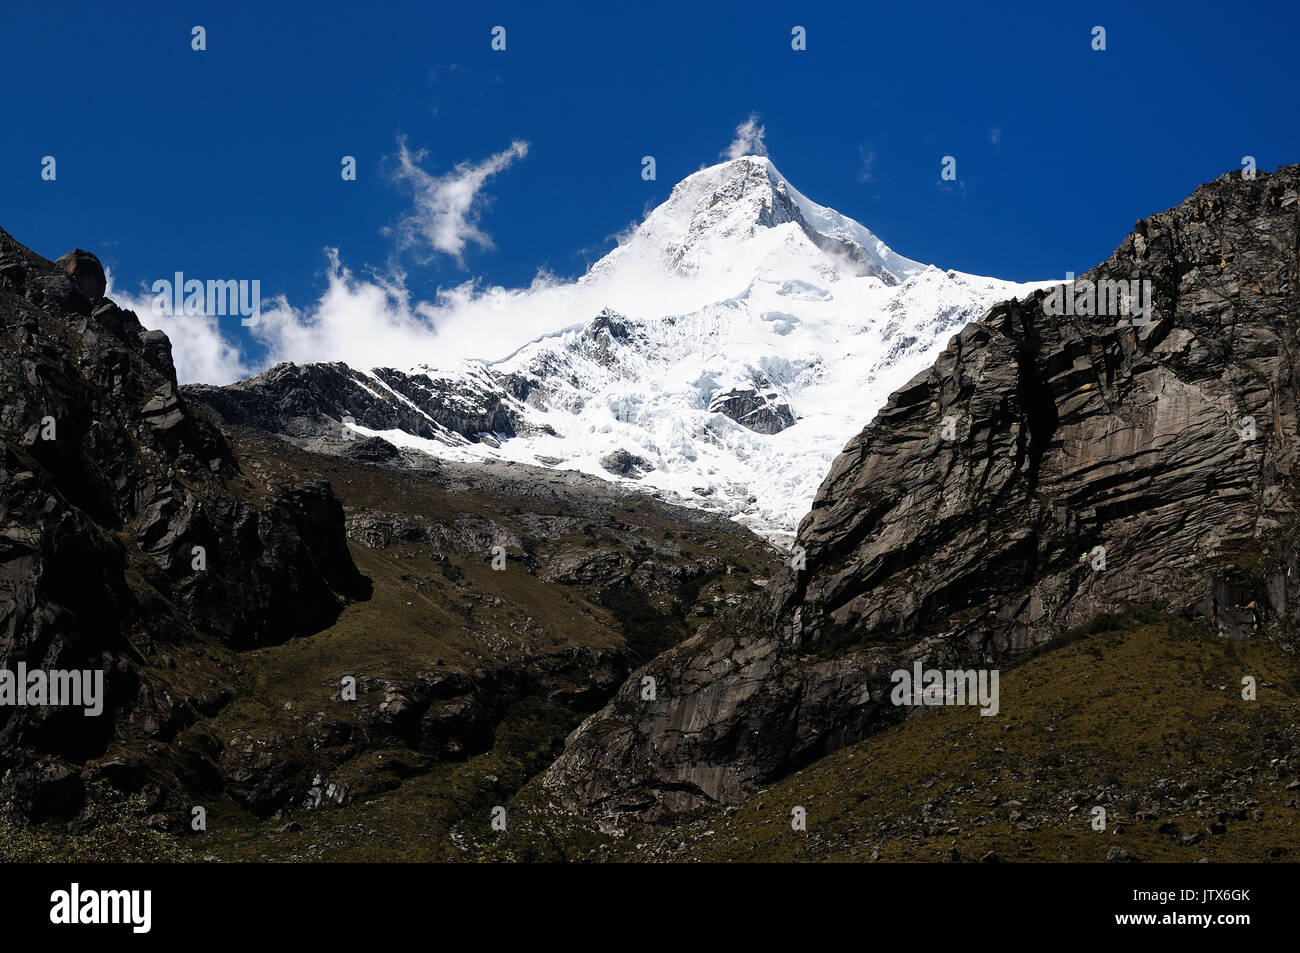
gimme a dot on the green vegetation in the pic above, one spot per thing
(434, 609)
(119, 834)
(1141, 714)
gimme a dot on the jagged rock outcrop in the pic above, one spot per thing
(600, 336)
(85, 271)
(126, 527)
(759, 406)
(312, 400)
(1047, 469)
(627, 464)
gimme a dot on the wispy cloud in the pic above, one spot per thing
(375, 321)
(868, 163)
(749, 139)
(371, 320)
(995, 137)
(447, 207)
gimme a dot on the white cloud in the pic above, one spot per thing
(374, 321)
(995, 136)
(365, 321)
(447, 207)
(201, 353)
(360, 322)
(749, 139)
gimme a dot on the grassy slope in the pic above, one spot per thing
(445, 611)
(1144, 717)
(1141, 715)
(440, 610)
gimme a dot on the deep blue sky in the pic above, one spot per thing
(225, 163)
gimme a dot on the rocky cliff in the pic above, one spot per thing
(127, 530)
(313, 400)
(1049, 468)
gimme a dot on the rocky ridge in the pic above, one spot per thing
(127, 530)
(964, 525)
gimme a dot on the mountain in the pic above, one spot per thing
(1102, 511)
(224, 583)
(1047, 475)
(719, 357)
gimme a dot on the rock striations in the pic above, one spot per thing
(1047, 469)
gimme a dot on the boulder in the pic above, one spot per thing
(372, 450)
(626, 464)
(85, 271)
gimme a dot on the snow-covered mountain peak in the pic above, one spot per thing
(744, 211)
(720, 357)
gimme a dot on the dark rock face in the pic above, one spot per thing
(626, 464)
(759, 407)
(125, 528)
(86, 273)
(1046, 470)
(286, 570)
(312, 400)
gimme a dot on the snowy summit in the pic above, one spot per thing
(720, 357)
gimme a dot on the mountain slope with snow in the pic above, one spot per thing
(720, 357)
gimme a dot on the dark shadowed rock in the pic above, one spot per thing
(85, 271)
(626, 464)
(47, 790)
(157, 351)
(759, 407)
(127, 532)
(372, 450)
